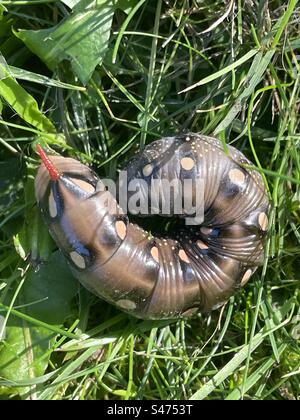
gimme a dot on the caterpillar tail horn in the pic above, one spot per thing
(53, 172)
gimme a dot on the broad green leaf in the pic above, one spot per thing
(82, 38)
(46, 295)
(54, 286)
(81, 5)
(21, 101)
(21, 352)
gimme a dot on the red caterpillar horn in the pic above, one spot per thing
(53, 172)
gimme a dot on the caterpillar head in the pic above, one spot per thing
(62, 182)
(74, 204)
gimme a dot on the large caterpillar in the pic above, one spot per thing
(195, 269)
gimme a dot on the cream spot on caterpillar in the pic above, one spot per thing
(86, 186)
(246, 277)
(206, 230)
(183, 256)
(121, 229)
(147, 169)
(52, 205)
(77, 259)
(154, 253)
(126, 304)
(263, 221)
(236, 176)
(201, 245)
(187, 163)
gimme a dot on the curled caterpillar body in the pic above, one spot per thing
(195, 269)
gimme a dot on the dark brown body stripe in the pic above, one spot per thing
(197, 268)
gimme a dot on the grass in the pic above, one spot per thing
(161, 68)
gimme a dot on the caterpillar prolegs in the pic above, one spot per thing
(196, 268)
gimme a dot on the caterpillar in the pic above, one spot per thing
(193, 268)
